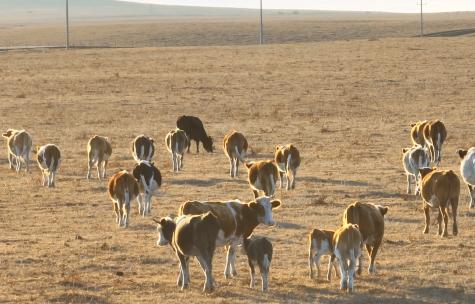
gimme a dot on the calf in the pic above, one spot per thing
(320, 243)
(287, 159)
(176, 142)
(123, 188)
(370, 220)
(235, 147)
(262, 176)
(439, 189)
(259, 252)
(467, 169)
(149, 180)
(99, 150)
(413, 159)
(48, 158)
(194, 130)
(417, 133)
(434, 136)
(236, 220)
(347, 241)
(191, 236)
(19, 145)
(143, 148)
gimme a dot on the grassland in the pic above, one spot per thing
(346, 105)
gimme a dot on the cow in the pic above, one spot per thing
(259, 253)
(347, 241)
(320, 243)
(440, 189)
(191, 235)
(235, 147)
(417, 133)
(467, 169)
(49, 159)
(143, 148)
(413, 159)
(237, 221)
(287, 158)
(19, 144)
(176, 142)
(99, 150)
(262, 176)
(123, 188)
(370, 220)
(149, 180)
(194, 130)
(434, 136)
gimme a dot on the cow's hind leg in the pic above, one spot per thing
(439, 221)
(445, 214)
(454, 203)
(427, 217)
(205, 263)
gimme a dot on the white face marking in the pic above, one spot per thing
(162, 241)
(266, 204)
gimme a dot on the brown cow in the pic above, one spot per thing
(259, 252)
(287, 159)
(320, 243)
(19, 145)
(262, 176)
(123, 188)
(417, 133)
(143, 148)
(347, 241)
(370, 220)
(49, 159)
(434, 136)
(235, 147)
(176, 142)
(439, 189)
(99, 150)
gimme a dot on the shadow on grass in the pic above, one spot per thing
(452, 33)
(205, 183)
(342, 182)
(78, 298)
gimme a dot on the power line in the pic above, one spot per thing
(421, 4)
(261, 27)
(67, 24)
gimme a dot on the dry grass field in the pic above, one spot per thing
(346, 105)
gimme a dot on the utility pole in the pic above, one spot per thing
(67, 24)
(421, 3)
(261, 27)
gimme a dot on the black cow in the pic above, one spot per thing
(194, 129)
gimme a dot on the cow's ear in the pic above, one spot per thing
(253, 205)
(163, 222)
(275, 204)
(156, 221)
(248, 165)
(462, 153)
(383, 209)
(412, 124)
(404, 150)
(424, 171)
(7, 134)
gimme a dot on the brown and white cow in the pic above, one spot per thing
(434, 136)
(347, 241)
(191, 235)
(143, 148)
(149, 180)
(467, 169)
(413, 159)
(49, 159)
(287, 159)
(320, 243)
(259, 253)
(370, 220)
(99, 150)
(123, 188)
(176, 142)
(417, 133)
(440, 189)
(235, 147)
(262, 176)
(237, 221)
(19, 145)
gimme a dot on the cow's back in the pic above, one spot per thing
(121, 181)
(443, 184)
(192, 126)
(368, 218)
(417, 133)
(20, 142)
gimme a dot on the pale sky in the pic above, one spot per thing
(405, 6)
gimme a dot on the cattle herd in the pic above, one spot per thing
(200, 227)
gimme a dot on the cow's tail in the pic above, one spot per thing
(271, 185)
(126, 196)
(289, 161)
(265, 263)
(239, 155)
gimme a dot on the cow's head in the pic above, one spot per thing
(165, 228)
(8, 133)
(462, 153)
(424, 171)
(263, 207)
(208, 144)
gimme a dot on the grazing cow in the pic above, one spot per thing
(48, 158)
(370, 220)
(19, 145)
(235, 147)
(194, 130)
(287, 159)
(262, 176)
(191, 236)
(236, 220)
(413, 159)
(143, 148)
(439, 189)
(259, 252)
(320, 243)
(99, 150)
(149, 180)
(176, 142)
(417, 133)
(123, 188)
(467, 169)
(434, 136)
(347, 241)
